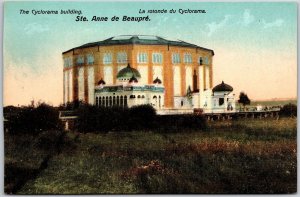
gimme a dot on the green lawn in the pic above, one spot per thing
(244, 156)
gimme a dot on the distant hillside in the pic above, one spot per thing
(273, 102)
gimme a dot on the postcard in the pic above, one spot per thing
(150, 97)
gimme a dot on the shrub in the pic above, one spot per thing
(34, 120)
(142, 117)
(94, 119)
(289, 110)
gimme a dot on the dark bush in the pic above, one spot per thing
(100, 119)
(94, 119)
(143, 117)
(34, 120)
(289, 110)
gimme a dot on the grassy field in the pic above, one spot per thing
(244, 156)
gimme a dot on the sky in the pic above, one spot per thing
(255, 44)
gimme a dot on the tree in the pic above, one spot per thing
(289, 110)
(243, 99)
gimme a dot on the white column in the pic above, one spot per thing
(157, 72)
(201, 78)
(70, 85)
(177, 80)
(91, 84)
(66, 86)
(108, 75)
(188, 77)
(201, 86)
(81, 84)
(207, 76)
(143, 70)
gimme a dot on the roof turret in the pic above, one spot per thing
(157, 80)
(223, 87)
(133, 79)
(101, 82)
(128, 72)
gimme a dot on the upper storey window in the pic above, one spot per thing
(175, 58)
(80, 60)
(68, 62)
(187, 58)
(90, 59)
(157, 58)
(206, 60)
(107, 58)
(142, 58)
(122, 57)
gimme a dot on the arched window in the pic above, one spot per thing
(139, 96)
(159, 101)
(121, 101)
(125, 101)
(103, 101)
(106, 103)
(155, 101)
(97, 101)
(110, 101)
(143, 96)
(221, 101)
(100, 101)
(132, 96)
(114, 100)
(118, 101)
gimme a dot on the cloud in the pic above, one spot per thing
(214, 26)
(248, 18)
(276, 23)
(33, 28)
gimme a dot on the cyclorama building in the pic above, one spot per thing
(134, 69)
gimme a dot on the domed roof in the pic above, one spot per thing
(101, 82)
(133, 79)
(128, 72)
(157, 80)
(223, 87)
(140, 40)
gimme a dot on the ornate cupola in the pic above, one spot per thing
(223, 87)
(157, 81)
(133, 79)
(127, 73)
(101, 82)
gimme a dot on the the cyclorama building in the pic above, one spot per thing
(172, 76)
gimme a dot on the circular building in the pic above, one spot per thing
(178, 64)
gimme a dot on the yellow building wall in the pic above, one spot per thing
(132, 53)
